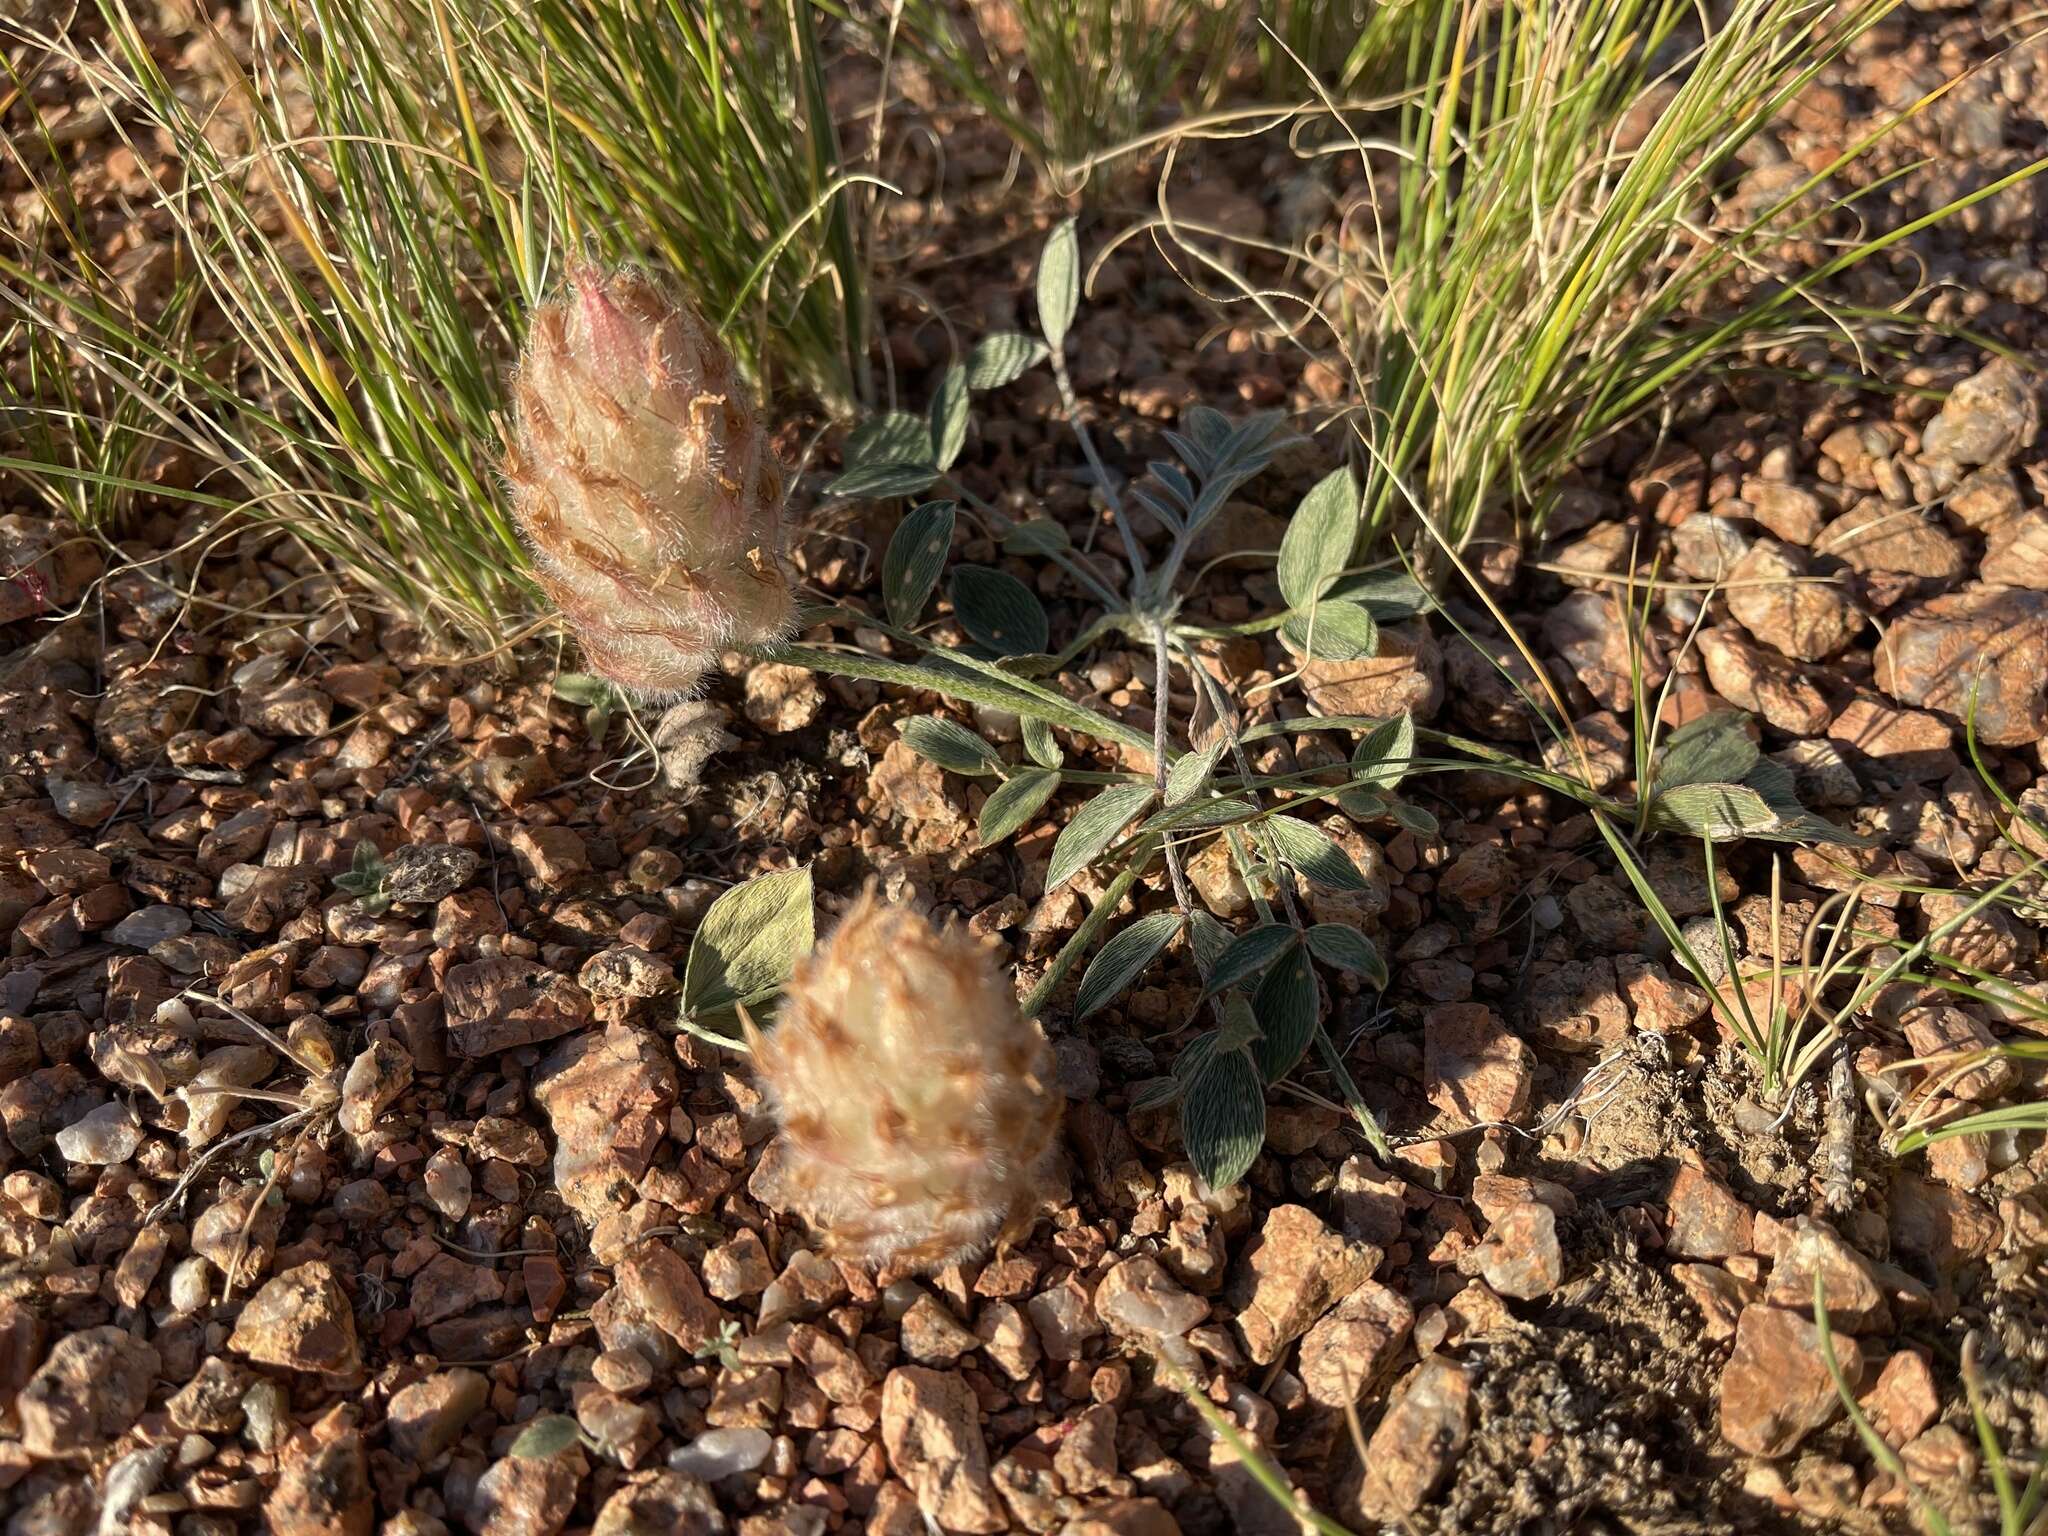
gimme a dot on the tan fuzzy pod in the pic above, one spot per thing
(644, 483)
(917, 1106)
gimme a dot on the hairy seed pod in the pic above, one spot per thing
(644, 484)
(917, 1106)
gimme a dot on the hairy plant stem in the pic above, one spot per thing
(1012, 693)
(1140, 583)
(1161, 667)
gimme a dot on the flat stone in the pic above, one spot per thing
(931, 1429)
(1592, 632)
(1986, 418)
(1706, 546)
(1944, 1227)
(550, 858)
(500, 1004)
(1417, 1442)
(1775, 1388)
(738, 1267)
(721, 1453)
(300, 1320)
(671, 1500)
(1751, 677)
(832, 1368)
(1292, 1273)
(421, 873)
(1477, 877)
(809, 1284)
(663, 1287)
(1139, 1300)
(1705, 1218)
(151, 925)
(1473, 1067)
(1821, 775)
(1350, 1348)
(1658, 1001)
(626, 972)
(1986, 647)
(446, 1287)
(373, 1084)
(1907, 744)
(1607, 916)
(1719, 1295)
(1985, 497)
(1940, 1457)
(516, 776)
(1904, 1399)
(1873, 535)
(1403, 678)
(2016, 551)
(527, 1495)
(1603, 550)
(1064, 1318)
(1370, 1203)
(227, 1231)
(1521, 1256)
(323, 1490)
(1950, 1032)
(1788, 512)
(293, 709)
(1578, 1006)
(1774, 593)
(429, 1416)
(211, 1402)
(931, 1335)
(606, 1096)
(109, 1134)
(93, 1386)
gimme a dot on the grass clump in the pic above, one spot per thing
(1527, 271)
(1342, 43)
(368, 275)
(1099, 71)
(695, 134)
(371, 209)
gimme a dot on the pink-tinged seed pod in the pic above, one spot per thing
(917, 1106)
(643, 481)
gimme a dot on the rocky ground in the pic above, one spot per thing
(314, 1206)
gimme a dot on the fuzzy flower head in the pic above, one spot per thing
(643, 481)
(917, 1106)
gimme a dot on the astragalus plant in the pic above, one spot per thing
(1184, 785)
(1198, 784)
(1530, 262)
